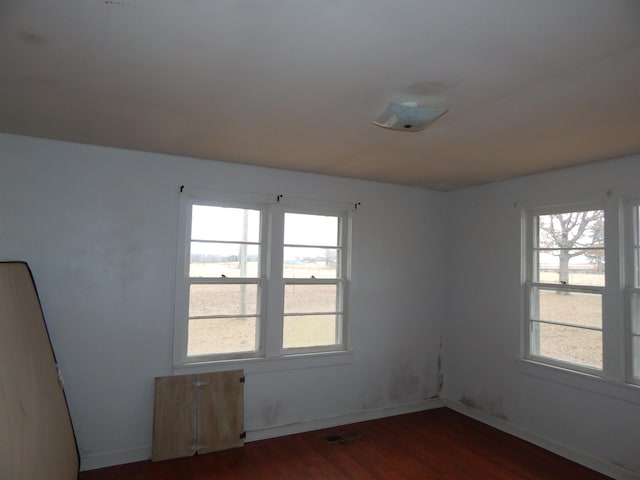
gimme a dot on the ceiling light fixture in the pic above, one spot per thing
(408, 117)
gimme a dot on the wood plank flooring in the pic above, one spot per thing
(434, 444)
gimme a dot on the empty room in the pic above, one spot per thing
(323, 240)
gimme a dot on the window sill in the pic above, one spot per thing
(626, 392)
(269, 364)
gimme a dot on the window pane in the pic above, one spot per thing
(636, 246)
(637, 267)
(223, 300)
(568, 344)
(228, 259)
(576, 267)
(222, 335)
(635, 313)
(310, 331)
(310, 298)
(563, 306)
(571, 230)
(636, 357)
(637, 225)
(303, 229)
(225, 224)
(304, 262)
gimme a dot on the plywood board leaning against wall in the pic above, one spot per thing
(198, 413)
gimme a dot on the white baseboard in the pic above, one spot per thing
(559, 449)
(109, 459)
(94, 461)
(328, 422)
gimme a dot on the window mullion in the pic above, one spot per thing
(630, 275)
(613, 331)
(570, 325)
(596, 289)
(274, 305)
(312, 281)
(312, 314)
(224, 280)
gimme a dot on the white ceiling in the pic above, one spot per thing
(530, 85)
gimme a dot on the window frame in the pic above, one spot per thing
(270, 352)
(631, 284)
(340, 281)
(530, 283)
(184, 280)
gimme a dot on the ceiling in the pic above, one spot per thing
(530, 85)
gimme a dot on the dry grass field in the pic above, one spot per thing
(565, 343)
(571, 344)
(226, 335)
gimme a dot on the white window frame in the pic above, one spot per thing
(270, 352)
(616, 378)
(531, 283)
(340, 281)
(631, 283)
(184, 281)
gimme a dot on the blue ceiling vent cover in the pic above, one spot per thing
(408, 117)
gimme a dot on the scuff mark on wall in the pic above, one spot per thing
(373, 402)
(33, 39)
(269, 409)
(623, 466)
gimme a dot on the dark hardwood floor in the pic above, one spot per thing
(434, 444)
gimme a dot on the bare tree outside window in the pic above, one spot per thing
(571, 235)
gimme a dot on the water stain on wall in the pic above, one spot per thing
(429, 389)
(404, 383)
(440, 367)
(440, 374)
(493, 407)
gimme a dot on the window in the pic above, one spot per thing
(581, 287)
(259, 280)
(313, 283)
(634, 292)
(565, 287)
(224, 281)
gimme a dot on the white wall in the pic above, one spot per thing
(98, 228)
(483, 335)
